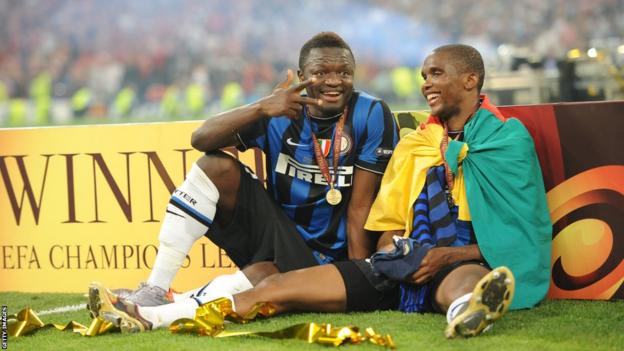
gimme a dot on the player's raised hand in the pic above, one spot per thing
(286, 99)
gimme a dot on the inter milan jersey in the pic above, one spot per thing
(295, 180)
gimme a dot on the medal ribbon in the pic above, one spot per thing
(450, 179)
(336, 140)
(443, 147)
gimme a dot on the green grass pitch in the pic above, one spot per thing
(553, 325)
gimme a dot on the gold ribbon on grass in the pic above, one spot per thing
(325, 334)
(26, 321)
(210, 320)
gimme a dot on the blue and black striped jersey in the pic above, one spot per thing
(295, 180)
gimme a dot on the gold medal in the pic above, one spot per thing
(333, 196)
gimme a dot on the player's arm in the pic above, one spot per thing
(440, 257)
(222, 129)
(373, 155)
(386, 242)
(365, 186)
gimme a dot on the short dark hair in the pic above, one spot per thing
(467, 58)
(322, 40)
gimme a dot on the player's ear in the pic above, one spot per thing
(300, 75)
(470, 81)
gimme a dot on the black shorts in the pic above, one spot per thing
(363, 294)
(368, 292)
(260, 231)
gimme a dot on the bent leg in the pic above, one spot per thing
(319, 289)
(459, 282)
(254, 231)
(193, 206)
(224, 171)
(248, 226)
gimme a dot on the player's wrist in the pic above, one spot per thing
(455, 254)
(466, 253)
(260, 108)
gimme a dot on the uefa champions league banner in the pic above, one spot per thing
(79, 204)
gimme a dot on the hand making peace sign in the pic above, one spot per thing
(286, 99)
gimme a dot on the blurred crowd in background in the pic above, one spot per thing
(64, 61)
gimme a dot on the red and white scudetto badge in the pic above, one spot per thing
(326, 145)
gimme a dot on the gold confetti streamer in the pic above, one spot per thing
(26, 321)
(210, 317)
(209, 321)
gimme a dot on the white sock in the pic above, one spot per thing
(456, 307)
(229, 283)
(168, 262)
(224, 284)
(189, 213)
(162, 316)
(186, 295)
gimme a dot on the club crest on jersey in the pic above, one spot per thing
(326, 145)
(345, 145)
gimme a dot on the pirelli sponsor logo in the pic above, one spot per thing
(312, 173)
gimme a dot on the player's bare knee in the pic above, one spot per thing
(221, 168)
(216, 164)
(445, 295)
(458, 282)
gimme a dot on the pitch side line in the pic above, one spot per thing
(68, 308)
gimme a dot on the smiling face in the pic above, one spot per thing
(333, 68)
(445, 86)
